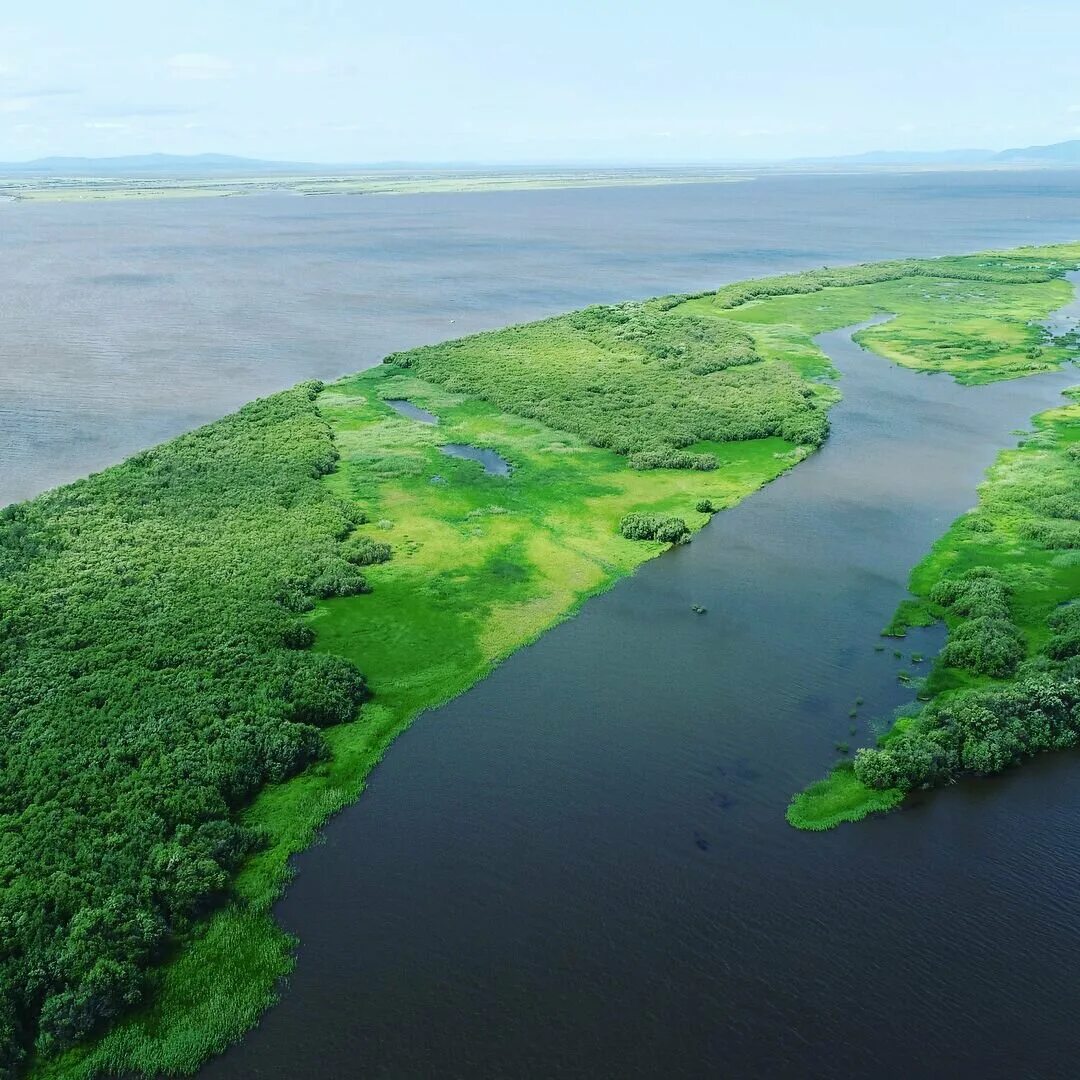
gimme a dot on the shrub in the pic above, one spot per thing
(667, 530)
(671, 459)
(363, 551)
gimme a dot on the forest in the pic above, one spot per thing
(152, 679)
(206, 649)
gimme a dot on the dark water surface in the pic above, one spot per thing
(413, 412)
(122, 324)
(581, 867)
(493, 464)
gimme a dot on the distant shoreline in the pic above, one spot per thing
(20, 187)
(79, 189)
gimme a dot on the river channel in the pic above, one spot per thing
(581, 867)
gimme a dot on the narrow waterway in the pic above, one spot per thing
(581, 867)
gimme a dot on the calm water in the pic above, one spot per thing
(493, 464)
(581, 868)
(122, 324)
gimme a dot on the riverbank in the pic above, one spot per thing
(490, 561)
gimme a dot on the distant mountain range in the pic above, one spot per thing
(1062, 153)
(194, 165)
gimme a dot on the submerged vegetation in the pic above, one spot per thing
(183, 635)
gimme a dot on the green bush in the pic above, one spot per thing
(632, 378)
(363, 551)
(987, 641)
(977, 731)
(667, 530)
(671, 459)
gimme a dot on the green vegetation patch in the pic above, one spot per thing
(315, 516)
(975, 317)
(632, 378)
(840, 797)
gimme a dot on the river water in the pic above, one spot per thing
(581, 867)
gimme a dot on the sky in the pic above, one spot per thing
(507, 81)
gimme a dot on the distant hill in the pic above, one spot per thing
(151, 165)
(905, 157)
(1062, 153)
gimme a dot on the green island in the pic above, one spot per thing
(206, 649)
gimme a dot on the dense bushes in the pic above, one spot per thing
(363, 551)
(631, 378)
(671, 459)
(1065, 643)
(987, 642)
(151, 681)
(668, 530)
(982, 731)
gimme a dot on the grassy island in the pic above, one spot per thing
(205, 650)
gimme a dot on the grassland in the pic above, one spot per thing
(229, 587)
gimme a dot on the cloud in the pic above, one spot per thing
(304, 66)
(198, 66)
(133, 112)
(106, 125)
(25, 100)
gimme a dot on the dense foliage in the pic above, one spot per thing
(987, 641)
(668, 530)
(981, 731)
(671, 459)
(631, 378)
(150, 682)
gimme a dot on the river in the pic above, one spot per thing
(581, 867)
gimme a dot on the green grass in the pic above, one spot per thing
(838, 798)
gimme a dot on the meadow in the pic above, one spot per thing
(245, 618)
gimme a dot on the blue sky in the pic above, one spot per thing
(332, 80)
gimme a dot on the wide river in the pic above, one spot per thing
(581, 867)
